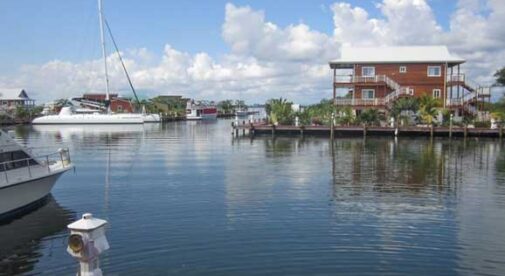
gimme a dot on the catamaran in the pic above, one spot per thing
(68, 115)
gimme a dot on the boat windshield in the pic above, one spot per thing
(14, 160)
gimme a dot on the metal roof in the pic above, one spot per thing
(13, 94)
(399, 54)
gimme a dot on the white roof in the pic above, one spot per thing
(13, 94)
(401, 54)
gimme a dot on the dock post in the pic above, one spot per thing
(431, 130)
(301, 131)
(501, 131)
(465, 133)
(450, 126)
(232, 128)
(332, 130)
(243, 130)
(273, 130)
(364, 130)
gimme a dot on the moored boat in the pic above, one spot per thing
(24, 178)
(200, 111)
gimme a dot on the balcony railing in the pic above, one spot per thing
(360, 102)
(344, 79)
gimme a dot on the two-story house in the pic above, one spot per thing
(375, 77)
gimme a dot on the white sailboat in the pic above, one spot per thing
(67, 115)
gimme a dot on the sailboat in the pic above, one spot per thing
(67, 115)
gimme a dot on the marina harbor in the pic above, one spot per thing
(252, 137)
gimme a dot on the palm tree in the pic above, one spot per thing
(428, 108)
(279, 111)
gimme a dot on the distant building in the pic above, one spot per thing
(375, 77)
(12, 98)
(97, 101)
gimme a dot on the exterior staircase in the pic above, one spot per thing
(472, 91)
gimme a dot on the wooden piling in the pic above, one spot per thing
(431, 130)
(465, 131)
(301, 131)
(364, 131)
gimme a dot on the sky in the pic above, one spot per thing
(214, 50)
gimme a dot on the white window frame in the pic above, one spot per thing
(368, 67)
(365, 92)
(403, 69)
(437, 67)
(437, 93)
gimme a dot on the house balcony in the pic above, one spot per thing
(377, 102)
(342, 81)
(462, 81)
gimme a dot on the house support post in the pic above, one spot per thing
(332, 127)
(334, 86)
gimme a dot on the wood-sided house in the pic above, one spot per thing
(13, 98)
(375, 77)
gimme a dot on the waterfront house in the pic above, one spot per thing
(97, 101)
(375, 77)
(12, 98)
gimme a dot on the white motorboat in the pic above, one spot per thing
(200, 111)
(25, 179)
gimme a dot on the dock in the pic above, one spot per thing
(254, 129)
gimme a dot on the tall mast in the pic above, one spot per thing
(104, 54)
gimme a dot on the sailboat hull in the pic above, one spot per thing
(89, 119)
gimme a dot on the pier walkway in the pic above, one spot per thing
(289, 130)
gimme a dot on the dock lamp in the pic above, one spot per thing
(86, 242)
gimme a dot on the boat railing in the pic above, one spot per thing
(30, 167)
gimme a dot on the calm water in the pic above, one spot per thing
(186, 198)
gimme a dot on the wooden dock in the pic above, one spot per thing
(346, 131)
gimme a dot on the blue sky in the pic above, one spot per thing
(252, 50)
(34, 32)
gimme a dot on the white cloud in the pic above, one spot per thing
(267, 60)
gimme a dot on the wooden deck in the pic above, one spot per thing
(263, 129)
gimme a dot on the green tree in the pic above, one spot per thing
(370, 117)
(225, 107)
(279, 111)
(404, 104)
(500, 77)
(428, 108)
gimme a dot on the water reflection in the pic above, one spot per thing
(187, 198)
(23, 239)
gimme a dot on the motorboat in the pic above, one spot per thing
(200, 111)
(26, 179)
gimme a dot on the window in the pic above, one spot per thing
(367, 94)
(120, 108)
(403, 69)
(368, 71)
(437, 93)
(411, 91)
(434, 71)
